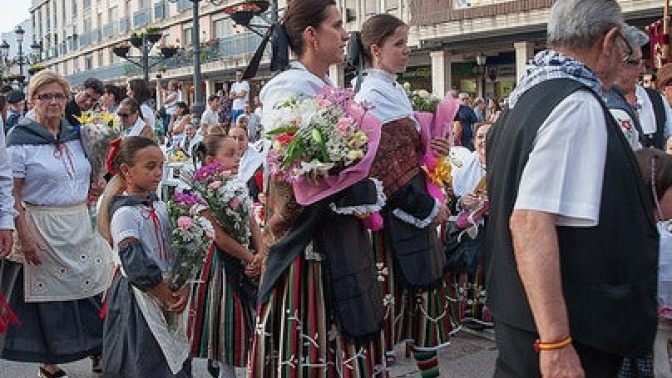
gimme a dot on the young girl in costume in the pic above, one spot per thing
(656, 168)
(407, 246)
(225, 298)
(137, 339)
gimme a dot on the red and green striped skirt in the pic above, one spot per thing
(296, 335)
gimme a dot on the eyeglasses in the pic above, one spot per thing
(634, 62)
(50, 96)
(123, 115)
(628, 56)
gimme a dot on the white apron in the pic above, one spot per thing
(77, 261)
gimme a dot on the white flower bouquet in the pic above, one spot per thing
(317, 137)
(96, 131)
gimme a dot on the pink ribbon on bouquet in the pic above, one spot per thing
(436, 125)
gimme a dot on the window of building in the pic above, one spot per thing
(74, 10)
(88, 61)
(222, 28)
(187, 36)
(87, 5)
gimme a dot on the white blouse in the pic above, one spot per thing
(135, 222)
(53, 177)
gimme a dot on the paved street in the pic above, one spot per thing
(468, 357)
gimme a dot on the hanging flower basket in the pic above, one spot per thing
(242, 17)
(168, 51)
(136, 40)
(261, 4)
(121, 51)
(35, 68)
(153, 37)
(242, 13)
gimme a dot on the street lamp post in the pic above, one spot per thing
(480, 62)
(4, 53)
(199, 103)
(19, 32)
(143, 61)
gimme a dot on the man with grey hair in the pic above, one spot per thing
(571, 243)
(621, 98)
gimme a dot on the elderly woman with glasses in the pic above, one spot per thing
(59, 266)
(132, 121)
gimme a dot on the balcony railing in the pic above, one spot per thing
(142, 18)
(227, 47)
(124, 24)
(85, 39)
(183, 5)
(113, 71)
(430, 12)
(109, 30)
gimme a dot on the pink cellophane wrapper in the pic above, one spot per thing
(307, 192)
(432, 126)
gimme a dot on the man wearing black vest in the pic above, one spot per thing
(572, 245)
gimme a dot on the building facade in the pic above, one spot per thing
(449, 38)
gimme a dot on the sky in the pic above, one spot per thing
(13, 12)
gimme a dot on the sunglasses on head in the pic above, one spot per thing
(123, 115)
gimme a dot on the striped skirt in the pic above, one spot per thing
(469, 304)
(222, 323)
(421, 317)
(296, 335)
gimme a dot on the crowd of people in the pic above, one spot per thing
(553, 229)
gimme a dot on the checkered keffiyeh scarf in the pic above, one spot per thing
(550, 64)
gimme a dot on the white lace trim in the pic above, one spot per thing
(364, 209)
(419, 223)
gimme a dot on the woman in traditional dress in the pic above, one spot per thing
(407, 248)
(466, 239)
(61, 264)
(310, 322)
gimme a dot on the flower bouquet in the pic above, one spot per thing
(323, 144)
(316, 137)
(435, 117)
(191, 238)
(227, 198)
(96, 131)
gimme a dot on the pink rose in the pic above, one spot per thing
(234, 203)
(343, 126)
(184, 223)
(210, 234)
(323, 103)
(215, 185)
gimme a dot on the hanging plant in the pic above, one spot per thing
(35, 68)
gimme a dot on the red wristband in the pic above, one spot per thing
(559, 344)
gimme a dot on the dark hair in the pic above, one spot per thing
(212, 97)
(376, 30)
(132, 105)
(209, 146)
(116, 92)
(184, 106)
(95, 84)
(141, 91)
(652, 162)
(128, 149)
(301, 14)
(125, 154)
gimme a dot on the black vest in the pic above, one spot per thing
(608, 271)
(657, 139)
